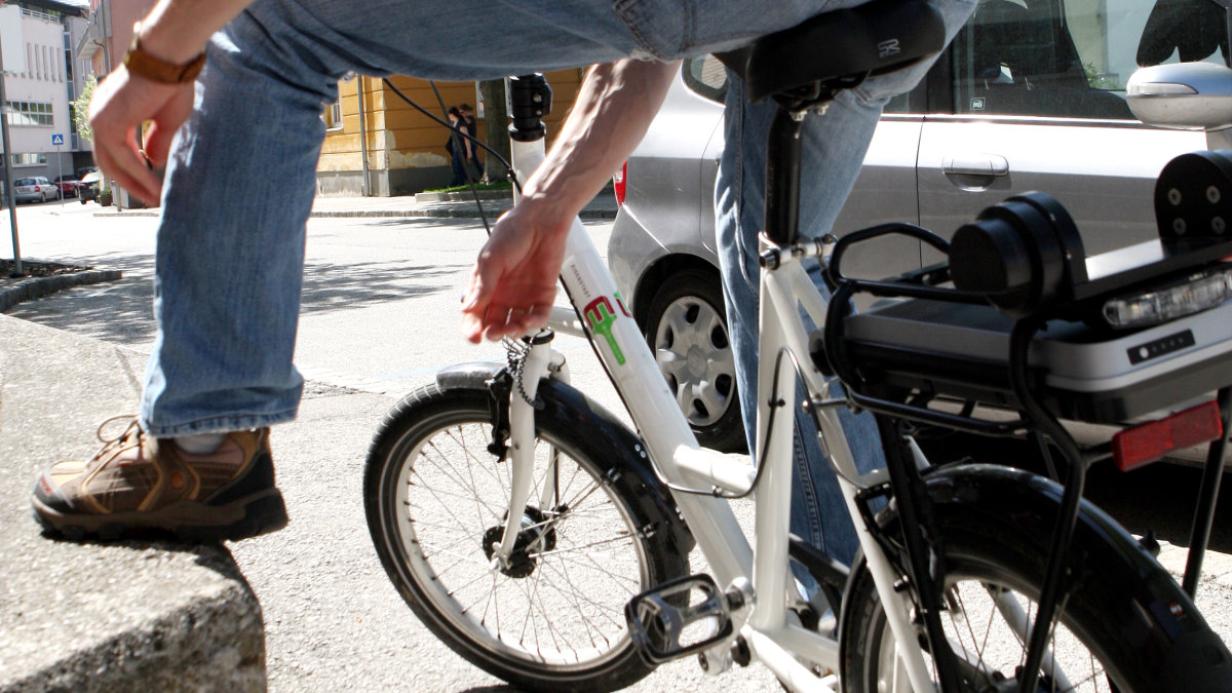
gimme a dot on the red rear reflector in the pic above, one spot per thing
(1137, 446)
(618, 183)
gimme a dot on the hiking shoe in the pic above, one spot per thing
(138, 485)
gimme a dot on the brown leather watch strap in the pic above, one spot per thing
(143, 64)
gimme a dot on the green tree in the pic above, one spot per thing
(81, 109)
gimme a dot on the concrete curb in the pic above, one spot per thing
(463, 196)
(38, 287)
(214, 642)
(93, 616)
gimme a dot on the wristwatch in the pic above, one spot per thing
(142, 64)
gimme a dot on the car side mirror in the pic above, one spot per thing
(1191, 96)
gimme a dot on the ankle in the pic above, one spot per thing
(201, 444)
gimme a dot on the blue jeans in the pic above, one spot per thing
(834, 146)
(231, 239)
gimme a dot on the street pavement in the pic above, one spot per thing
(380, 318)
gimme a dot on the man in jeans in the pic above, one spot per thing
(228, 275)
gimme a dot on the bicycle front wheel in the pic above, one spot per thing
(553, 619)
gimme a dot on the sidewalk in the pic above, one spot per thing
(603, 207)
(91, 616)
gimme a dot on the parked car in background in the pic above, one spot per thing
(1030, 96)
(34, 189)
(68, 184)
(89, 185)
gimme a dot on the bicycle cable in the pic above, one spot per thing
(775, 405)
(443, 122)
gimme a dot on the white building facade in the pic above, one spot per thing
(40, 85)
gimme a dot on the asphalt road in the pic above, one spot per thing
(380, 318)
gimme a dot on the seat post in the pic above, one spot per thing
(783, 176)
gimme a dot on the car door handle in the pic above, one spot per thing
(976, 165)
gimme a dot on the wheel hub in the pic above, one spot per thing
(537, 536)
(697, 363)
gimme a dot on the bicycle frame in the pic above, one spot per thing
(773, 637)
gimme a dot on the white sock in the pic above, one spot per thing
(200, 444)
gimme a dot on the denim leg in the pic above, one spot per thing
(229, 262)
(834, 146)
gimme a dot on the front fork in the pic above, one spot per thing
(532, 365)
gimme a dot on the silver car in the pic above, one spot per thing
(1030, 96)
(35, 188)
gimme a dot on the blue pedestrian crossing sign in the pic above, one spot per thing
(57, 139)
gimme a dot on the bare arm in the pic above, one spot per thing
(175, 31)
(513, 284)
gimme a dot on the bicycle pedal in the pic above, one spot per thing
(678, 618)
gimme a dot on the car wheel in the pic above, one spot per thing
(686, 328)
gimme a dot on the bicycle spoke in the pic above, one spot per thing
(550, 607)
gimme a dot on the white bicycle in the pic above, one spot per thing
(548, 544)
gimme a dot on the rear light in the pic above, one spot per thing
(1154, 307)
(618, 183)
(1137, 446)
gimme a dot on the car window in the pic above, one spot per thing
(25, 181)
(707, 77)
(1073, 58)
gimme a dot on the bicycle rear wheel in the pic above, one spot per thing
(553, 619)
(1123, 624)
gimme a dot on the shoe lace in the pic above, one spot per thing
(132, 429)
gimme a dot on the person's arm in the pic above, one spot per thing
(513, 284)
(175, 31)
(466, 140)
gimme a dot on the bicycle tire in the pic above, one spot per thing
(409, 428)
(1112, 617)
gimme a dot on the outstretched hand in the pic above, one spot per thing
(121, 104)
(513, 284)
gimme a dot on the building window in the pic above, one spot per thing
(34, 159)
(333, 116)
(25, 113)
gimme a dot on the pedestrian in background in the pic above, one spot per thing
(475, 165)
(459, 147)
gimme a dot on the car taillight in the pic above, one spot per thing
(1137, 446)
(618, 183)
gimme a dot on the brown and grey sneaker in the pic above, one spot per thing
(138, 485)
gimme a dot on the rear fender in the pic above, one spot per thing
(1165, 637)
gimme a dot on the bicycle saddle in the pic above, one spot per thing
(872, 38)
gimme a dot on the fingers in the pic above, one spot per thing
(119, 108)
(115, 148)
(166, 124)
(158, 144)
(498, 322)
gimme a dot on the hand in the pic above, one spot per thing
(121, 104)
(513, 285)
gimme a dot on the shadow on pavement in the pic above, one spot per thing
(122, 312)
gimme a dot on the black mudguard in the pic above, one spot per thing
(1164, 639)
(628, 452)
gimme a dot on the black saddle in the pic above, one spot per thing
(872, 38)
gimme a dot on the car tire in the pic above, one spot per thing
(686, 328)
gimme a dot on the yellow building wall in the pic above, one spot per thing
(400, 137)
